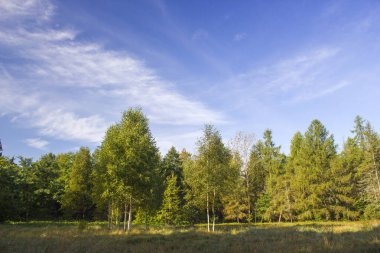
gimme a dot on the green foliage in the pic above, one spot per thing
(209, 175)
(127, 168)
(9, 201)
(170, 212)
(235, 207)
(77, 201)
(172, 164)
(125, 178)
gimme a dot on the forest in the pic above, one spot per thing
(127, 181)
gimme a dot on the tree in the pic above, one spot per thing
(10, 204)
(172, 164)
(170, 212)
(46, 172)
(64, 162)
(77, 200)
(129, 159)
(241, 148)
(210, 173)
(370, 172)
(235, 205)
(312, 173)
(284, 199)
(26, 182)
(266, 165)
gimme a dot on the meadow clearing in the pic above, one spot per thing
(363, 236)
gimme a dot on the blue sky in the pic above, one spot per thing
(69, 68)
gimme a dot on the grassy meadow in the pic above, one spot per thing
(284, 237)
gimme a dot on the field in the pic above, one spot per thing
(284, 237)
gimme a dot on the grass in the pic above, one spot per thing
(269, 237)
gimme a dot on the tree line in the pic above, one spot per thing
(126, 179)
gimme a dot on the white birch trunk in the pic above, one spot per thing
(130, 213)
(208, 214)
(213, 213)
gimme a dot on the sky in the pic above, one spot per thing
(68, 69)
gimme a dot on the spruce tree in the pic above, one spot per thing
(170, 212)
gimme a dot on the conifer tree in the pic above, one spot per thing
(171, 163)
(170, 212)
(312, 173)
(370, 172)
(266, 163)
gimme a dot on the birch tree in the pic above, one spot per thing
(211, 172)
(130, 159)
(241, 148)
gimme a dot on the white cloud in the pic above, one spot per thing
(36, 143)
(16, 9)
(53, 60)
(47, 115)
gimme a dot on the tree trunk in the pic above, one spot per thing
(279, 219)
(125, 216)
(248, 197)
(213, 212)
(112, 214)
(376, 173)
(130, 213)
(208, 213)
(117, 217)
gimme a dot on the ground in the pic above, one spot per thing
(361, 236)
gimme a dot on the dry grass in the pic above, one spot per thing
(285, 237)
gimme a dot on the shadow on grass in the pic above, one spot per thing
(296, 238)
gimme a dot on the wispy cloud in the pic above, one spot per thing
(303, 73)
(50, 60)
(36, 143)
(324, 92)
(47, 115)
